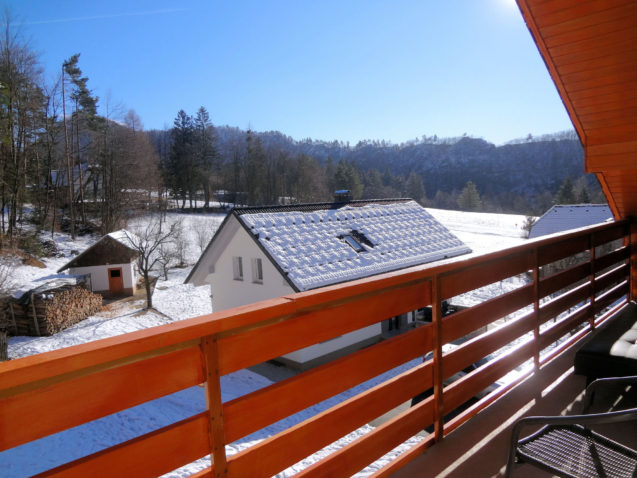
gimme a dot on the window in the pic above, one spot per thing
(257, 271)
(237, 268)
(353, 243)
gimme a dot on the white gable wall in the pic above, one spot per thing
(99, 276)
(228, 292)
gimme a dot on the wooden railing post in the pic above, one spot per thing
(536, 309)
(591, 317)
(436, 316)
(215, 406)
(629, 240)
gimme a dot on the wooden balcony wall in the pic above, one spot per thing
(51, 392)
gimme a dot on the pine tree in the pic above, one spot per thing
(469, 199)
(204, 151)
(566, 194)
(179, 174)
(415, 187)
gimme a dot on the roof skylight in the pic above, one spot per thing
(353, 243)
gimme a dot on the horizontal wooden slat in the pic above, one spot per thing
(480, 347)
(470, 385)
(276, 453)
(149, 455)
(256, 410)
(560, 250)
(611, 278)
(610, 296)
(564, 326)
(86, 398)
(553, 13)
(562, 279)
(565, 301)
(465, 321)
(611, 258)
(259, 344)
(585, 19)
(470, 278)
(611, 134)
(354, 456)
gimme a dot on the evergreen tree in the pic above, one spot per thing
(179, 174)
(469, 199)
(584, 197)
(566, 194)
(204, 152)
(415, 187)
(347, 177)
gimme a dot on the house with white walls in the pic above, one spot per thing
(260, 253)
(110, 263)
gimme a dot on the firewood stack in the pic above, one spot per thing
(52, 311)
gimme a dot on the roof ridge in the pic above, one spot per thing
(309, 207)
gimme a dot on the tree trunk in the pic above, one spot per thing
(4, 346)
(149, 293)
(69, 171)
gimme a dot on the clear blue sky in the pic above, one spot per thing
(343, 69)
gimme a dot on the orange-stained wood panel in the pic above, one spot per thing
(353, 457)
(470, 385)
(276, 453)
(590, 49)
(252, 412)
(476, 349)
(75, 401)
(153, 454)
(255, 346)
(466, 321)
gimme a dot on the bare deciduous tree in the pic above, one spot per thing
(203, 234)
(147, 239)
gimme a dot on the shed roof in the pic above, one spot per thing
(315, 245)
(563, 217)
(113, 248)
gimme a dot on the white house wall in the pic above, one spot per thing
(228, 292)
(313, 352)
(99, 275)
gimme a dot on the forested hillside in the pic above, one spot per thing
(522, 176)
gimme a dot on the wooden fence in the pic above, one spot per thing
(47, 393)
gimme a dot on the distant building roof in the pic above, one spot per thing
(570, 216)
(315, 245)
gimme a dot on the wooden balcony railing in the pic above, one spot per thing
(54, 391)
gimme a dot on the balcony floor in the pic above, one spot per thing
(479, 447)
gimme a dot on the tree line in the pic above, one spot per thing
(61, 164)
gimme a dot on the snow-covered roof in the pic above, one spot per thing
(563, 217)
(315, 245)
(101, 252)
(122, 236)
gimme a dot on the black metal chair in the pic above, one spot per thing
(566, 447)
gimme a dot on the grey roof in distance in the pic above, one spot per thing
(563, 217)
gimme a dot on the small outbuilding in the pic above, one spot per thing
(110, 263)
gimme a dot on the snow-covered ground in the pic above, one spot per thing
(176, 301)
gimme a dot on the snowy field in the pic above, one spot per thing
(176, 301)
